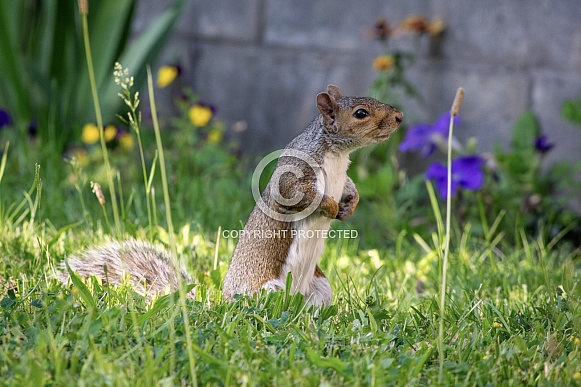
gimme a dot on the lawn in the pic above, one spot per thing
(512, 312)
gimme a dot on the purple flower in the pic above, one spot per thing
(466, 173)
(32, 128)
(5, 119)
(423, 137)
(542, 144)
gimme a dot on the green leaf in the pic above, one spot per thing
(84, 292)
(161, 303)
(572, 110)
(7, 302)
(325, 362)
(525, 130)
(216, 276)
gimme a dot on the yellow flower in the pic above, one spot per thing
(110, 133)
(383, 63)
(215, 136)
(90, 134)
(166, 75)
(496, 324)
(577, 376)
(126, 141)
(577, 341)
(200, 115)
(436, 28)
(415, 24)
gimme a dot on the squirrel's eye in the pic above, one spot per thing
(360, 114)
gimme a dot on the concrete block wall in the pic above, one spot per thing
(263, 61)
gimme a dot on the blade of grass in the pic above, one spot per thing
(163, 171)
(453, 112)
(3, 162)
(84, 291)
(84, 10)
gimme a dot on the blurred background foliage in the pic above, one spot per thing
(44, 84)
(46, 114)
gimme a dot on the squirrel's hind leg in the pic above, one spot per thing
(319, 293)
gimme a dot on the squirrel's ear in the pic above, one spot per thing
(328, 108)
(335, 92)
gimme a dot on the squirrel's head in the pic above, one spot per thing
(359, 121)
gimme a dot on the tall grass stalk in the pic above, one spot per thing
(3, 162)
(133, 120)
(34, 206)
(2, 168)
(182, 293)
(453, 113)
(84, 10)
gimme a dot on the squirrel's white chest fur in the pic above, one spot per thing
(309, 242)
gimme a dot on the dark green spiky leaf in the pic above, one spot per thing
(142, 52)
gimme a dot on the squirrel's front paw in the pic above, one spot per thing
(329, 207)
(347, 208)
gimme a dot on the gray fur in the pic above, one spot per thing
(150, 267)
(259, 260)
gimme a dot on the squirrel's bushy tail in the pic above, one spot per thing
(151, 269)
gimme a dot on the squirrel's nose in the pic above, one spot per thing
(399, 117)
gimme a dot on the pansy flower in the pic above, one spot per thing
(166, 75)
(5, 118)
(200, 114)
(542, 144)
(32, 128)
(109, 133)
(384, 63)
(466, 173)
(90, 133)
(423, 138)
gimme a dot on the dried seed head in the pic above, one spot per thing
(457, 102)
(96, 187)
(84, 7)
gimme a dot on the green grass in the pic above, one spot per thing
(512, 311)
(512, 314)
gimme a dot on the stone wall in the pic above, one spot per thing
(263, 61)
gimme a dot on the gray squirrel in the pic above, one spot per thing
(285, 233)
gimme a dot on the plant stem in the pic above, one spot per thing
(173, 249)
(99, 117)
(453, 112)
